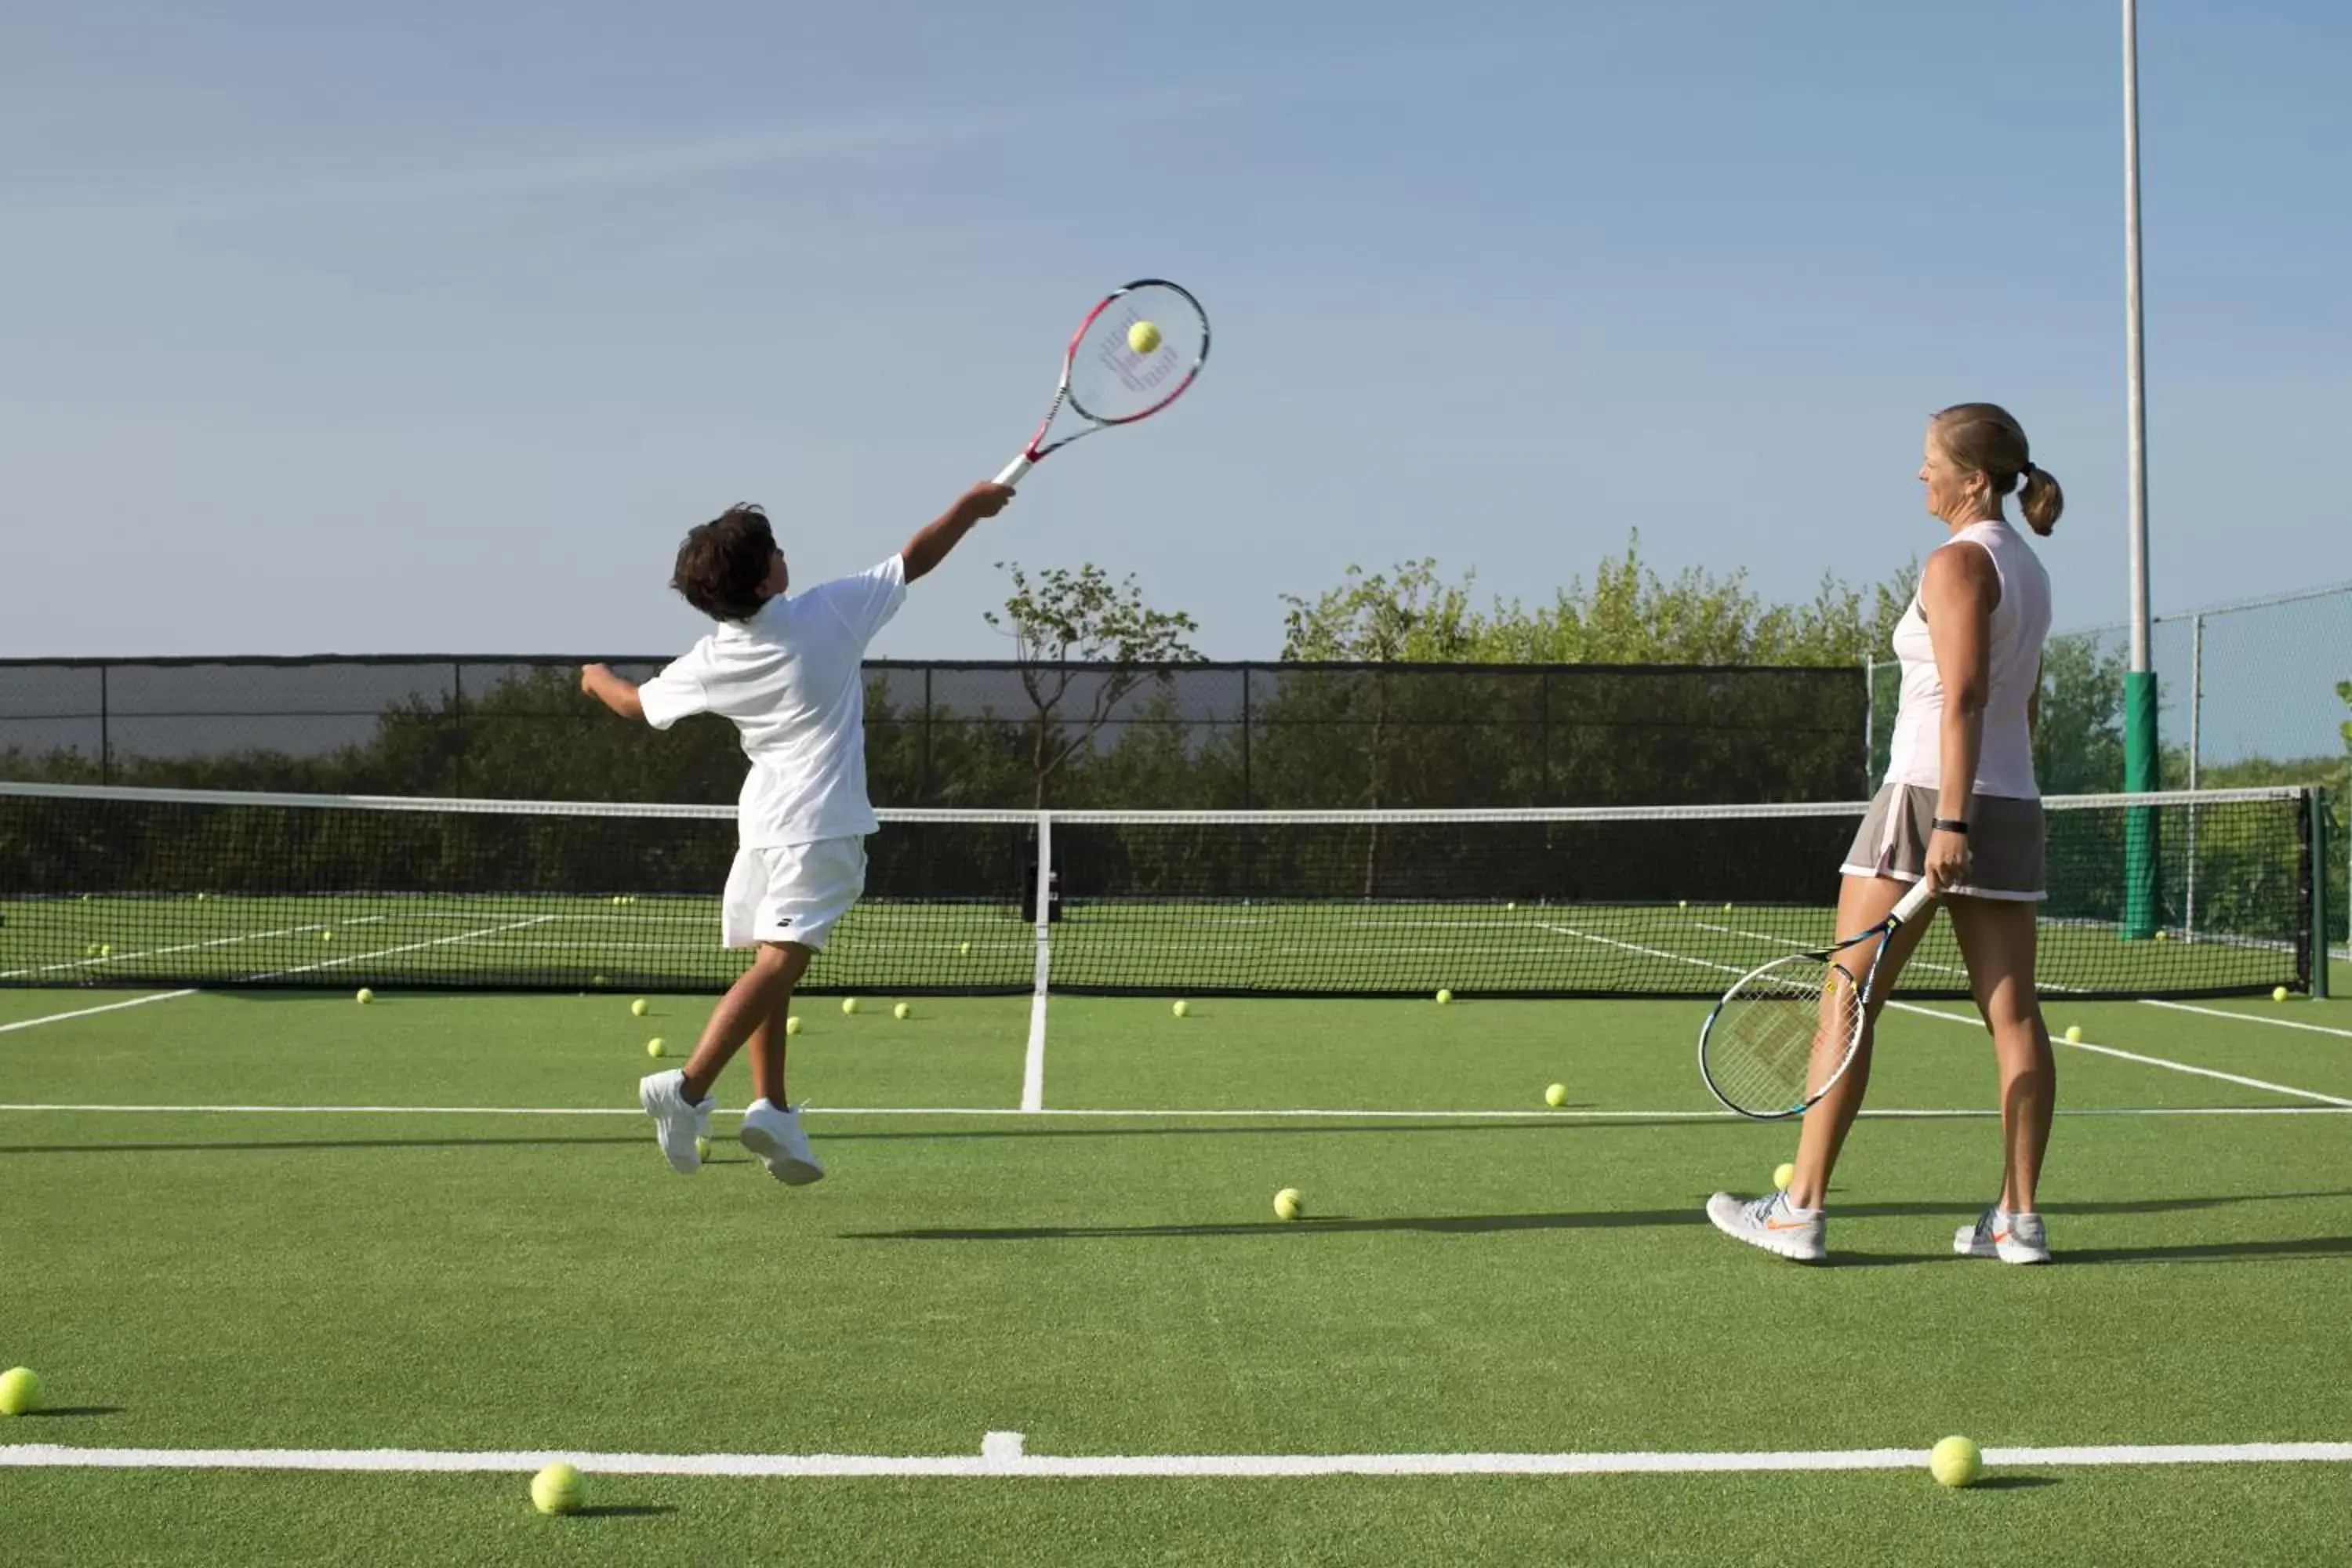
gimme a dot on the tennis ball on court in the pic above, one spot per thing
(1180, 1008)
(849, 1003)
(616, 900)
(1726, 908)
(1143, 337)
(2074, 1034)
(657, 1046)
(89, 950)
(202, 897)
(599, 982)
(1443, 995)
(1956, 1462)
(1783, 1173)
(366, 997)
(963, 950)
(106, 950)
(2163, 935)
(640, 1007)
(1555, 1096)
(1684, 905)
(902, 1011)
(326, 936)
(1288, 1205)
(20, 1392)
(701, 1148)
(556, 1490)
(793, 1024)
(1512, 904)
(2278, 993)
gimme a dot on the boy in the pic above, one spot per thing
(788, 672)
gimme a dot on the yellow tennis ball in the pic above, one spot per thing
(849, 1003)
(616, 900)
(793, 1024)
(326, 936)
(20, 1392)
(366, 995)
(1956, 1462)
(963, 950)
(1726, 908)
(1555, 1096)
(1443, 995)
(1288, 1205)
(2163, 935)
(656, 1047)
(2278, 993)
(1143, 337)
(106, 950)
(599, 982)
(1180, 1008)
(903, 1011)
(1783, 1173)
(2074, 1034)
(556, 1490)
(640, 1007)
(701, 1147)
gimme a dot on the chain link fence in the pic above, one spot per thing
(1189, 736)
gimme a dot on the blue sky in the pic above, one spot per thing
(431, 327)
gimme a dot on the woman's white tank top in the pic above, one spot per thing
(2020, 622)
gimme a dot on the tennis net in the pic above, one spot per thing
(135, 887)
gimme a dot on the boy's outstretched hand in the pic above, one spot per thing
(931, 545)
(599, 681)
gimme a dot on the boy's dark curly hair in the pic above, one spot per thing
(723, 563)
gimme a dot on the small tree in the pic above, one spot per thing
(1063, 619)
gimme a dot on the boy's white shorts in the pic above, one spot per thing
(792, 892)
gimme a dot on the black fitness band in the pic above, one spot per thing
(1948, 825)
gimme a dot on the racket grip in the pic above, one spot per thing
(1912, 902)
(1015, 470)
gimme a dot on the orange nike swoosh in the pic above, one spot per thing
(2000, 1236)
(1785, 1224)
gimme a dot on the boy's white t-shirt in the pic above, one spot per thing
(789, 679)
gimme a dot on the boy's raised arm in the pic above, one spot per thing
(621, 696)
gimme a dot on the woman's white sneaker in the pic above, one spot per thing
(2011, 1238)
(1770, 1223)
(775, 1136)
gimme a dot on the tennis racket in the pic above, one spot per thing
(1133, 355)
(1787, 1032)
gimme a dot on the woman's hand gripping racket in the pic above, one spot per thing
(1785, 1032)
(1133, 355)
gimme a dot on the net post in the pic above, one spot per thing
(2317, 805)
(2196, 717)
(2143, 834)
(1033, 1071)
(1249, 678)
(105, 733)
(924, 795)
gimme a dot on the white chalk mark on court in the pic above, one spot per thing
(2165, 1062)
(1291, 1113)
(389, 952)
(1007, 1461)
(93, 1012)
(120, 958)
(2247, 1017)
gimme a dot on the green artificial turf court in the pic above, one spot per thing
(512, 1269)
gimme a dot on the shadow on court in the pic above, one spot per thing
(1637, 1219)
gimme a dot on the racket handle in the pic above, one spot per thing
(1015, 470)
(1912, 902)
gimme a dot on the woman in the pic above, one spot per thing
(1970, 646)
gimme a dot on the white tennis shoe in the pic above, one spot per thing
(774, 1136)
(2011, 1238)
(677, 1124)
(1769, 1222)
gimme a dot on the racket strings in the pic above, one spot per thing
(1765, 1041)
(1112, 378)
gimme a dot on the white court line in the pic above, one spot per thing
(2246, 1017)
(1977, 1023)
(92, 1011)
(273, 975)
(1006, 1113)
(1003, 1455)
(182, 947)
(2239, 1078)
